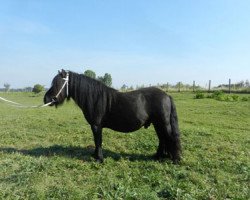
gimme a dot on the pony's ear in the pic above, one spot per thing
(63, 72)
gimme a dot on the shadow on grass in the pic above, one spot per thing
(81, 153)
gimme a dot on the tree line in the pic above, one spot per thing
(37, 88)
(107, 80)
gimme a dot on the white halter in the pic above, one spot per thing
(66, 83)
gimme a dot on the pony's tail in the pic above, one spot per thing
(175, 136)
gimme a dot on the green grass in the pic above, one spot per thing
(46, 154)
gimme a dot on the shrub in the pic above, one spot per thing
(228, 98)
(245, 99)
(221, 96)
(217, 94)
(199, 95)
(38, 88)
(235, 97)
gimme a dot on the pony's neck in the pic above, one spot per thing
(90, 95)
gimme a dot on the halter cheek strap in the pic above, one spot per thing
(66, 83)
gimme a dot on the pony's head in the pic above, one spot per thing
(58, 91)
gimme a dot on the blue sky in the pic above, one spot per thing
(137, 42)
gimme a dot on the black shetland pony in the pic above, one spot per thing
(104, 107)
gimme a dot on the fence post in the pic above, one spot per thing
(167, 86)
(179, 87)
(209, 86)
(229, 86)
(193, 86)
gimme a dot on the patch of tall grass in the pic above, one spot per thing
(221, 96)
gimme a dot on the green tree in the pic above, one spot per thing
(106, 79)
(38, 88)
(90, 74)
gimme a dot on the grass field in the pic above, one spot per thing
(46, 154)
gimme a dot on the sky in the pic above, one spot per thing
(137, 42)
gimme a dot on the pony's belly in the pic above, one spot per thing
(125, 126)
(125, 129)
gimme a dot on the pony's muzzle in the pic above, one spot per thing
(48, 100)
(54, 100)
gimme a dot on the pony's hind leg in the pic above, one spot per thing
(172, 147)
(161, 150)
(167, 129)
(169, 144)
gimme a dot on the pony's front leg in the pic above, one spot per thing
(97, 132)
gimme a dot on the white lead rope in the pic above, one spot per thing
(15, 104)
(3, 99)
(18, 105)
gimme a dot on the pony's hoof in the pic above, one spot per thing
(97, 158)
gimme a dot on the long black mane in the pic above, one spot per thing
(90, 94)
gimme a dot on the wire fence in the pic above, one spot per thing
(240, 87)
